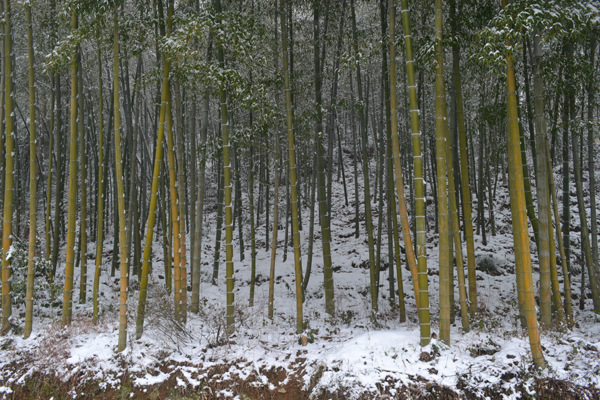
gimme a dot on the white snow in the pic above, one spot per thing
(357, 351)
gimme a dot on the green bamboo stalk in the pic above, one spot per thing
(252, 225)
(120, 190)
(565, 269)
(441, 127)
(275, 230)
(585, 238)
(321, 192)
(293, 180)
(32, 178)
(419, 272)
(83, 238)
(542, 193)
(229, 270)
(365, 169)
(182, 205)
(465, 187)
(158, 157)
(72, 210)
(48, 223)
(101, 191)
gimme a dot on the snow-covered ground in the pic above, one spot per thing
(356, 353)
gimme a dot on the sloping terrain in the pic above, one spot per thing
(356, 355)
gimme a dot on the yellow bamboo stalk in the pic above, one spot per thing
(120, 191)
(293, 180)
(158, 157)
(418, 272)
(519, 212)
(441, 127)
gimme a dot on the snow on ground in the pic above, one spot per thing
(355, 352)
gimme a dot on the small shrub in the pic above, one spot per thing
(45, 291)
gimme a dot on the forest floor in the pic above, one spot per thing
(357, 354)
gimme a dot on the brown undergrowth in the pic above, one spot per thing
(215, 382)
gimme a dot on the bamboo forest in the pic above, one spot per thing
(299, 199)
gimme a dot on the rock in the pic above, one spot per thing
(303, 340)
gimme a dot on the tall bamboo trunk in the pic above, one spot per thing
(2, 125)
(311, 231)
(455, 235)
(179, 152)
(73, 170)
(293, 180)
(566, 195)
(197, 258)
(585, 238)
(32, 178)
(568, 306)
(542, 192)
(175, 222)
(441, 127)
(519, 212)
(101, 192)
(83, 228)
(465, 183)
(252, 224)
(419, 272)
(154, 192)
(271, 301)
(591, 164)
(321, 190)
(120, 191)
(60, 180)
(365, 165)
(238, 207)
(48, 213)
(229, 270)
